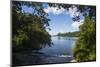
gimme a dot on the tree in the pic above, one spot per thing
(85, 49)
(29, 30)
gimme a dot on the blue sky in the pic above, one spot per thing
(60, 23)
(61, 19)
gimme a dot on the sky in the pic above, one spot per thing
(61, 19)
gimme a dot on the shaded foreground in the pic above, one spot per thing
(39, 58)
(59, 52)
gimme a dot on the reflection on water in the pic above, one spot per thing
(62, 46)
(59, 52)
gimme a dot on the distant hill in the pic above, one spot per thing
(70, 34)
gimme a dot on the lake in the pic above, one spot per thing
(62, 46)
(59, 52)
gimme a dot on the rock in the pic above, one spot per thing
(73, 61)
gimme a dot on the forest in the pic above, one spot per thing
(69, 34)
(29, 30)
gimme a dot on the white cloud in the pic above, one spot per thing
(76, 24)
(73, 11)
(54, 10)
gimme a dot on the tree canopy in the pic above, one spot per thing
(29, 30)
(85, 10)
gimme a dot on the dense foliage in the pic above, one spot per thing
(85, 49)
(29, 29)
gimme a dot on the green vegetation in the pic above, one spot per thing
(85, 49)
(69, 34)
(29, 29)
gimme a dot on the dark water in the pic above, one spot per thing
(59, 52)
(62, 47)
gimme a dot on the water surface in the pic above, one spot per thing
(62, 47)
(59, 52)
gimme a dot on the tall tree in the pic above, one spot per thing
(29, 29)
(85, 49)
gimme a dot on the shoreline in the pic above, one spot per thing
(35, 59)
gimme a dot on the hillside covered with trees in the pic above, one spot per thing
(69, 34)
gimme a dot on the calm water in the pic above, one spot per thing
(62, 46)
(59, 52)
